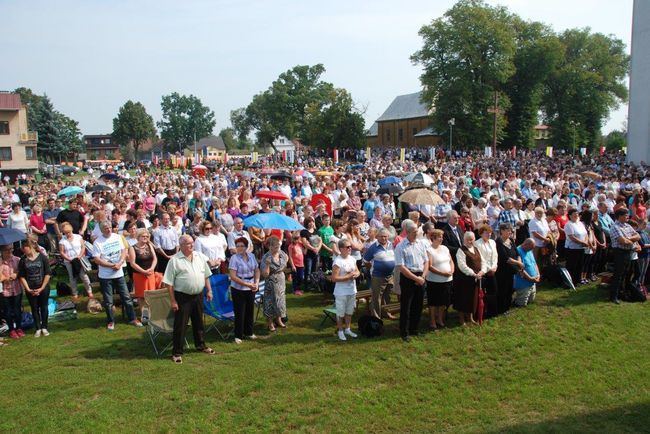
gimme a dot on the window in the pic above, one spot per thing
(388, 135)
(107, 141)
(4, 127)
(30, 152)
(400, 134)
(5, 154)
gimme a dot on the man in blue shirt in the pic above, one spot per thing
(382, 257)
(526, 279)
(49, 215)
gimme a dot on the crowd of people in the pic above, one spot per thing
(503, 224)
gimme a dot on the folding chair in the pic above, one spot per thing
(220, 308)
(329, 313)
(161, 319)
(259, 299)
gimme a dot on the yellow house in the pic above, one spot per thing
(17, 144)
(210, 148)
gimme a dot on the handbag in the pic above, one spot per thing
(85, 264)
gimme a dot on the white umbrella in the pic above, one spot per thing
(421, 196)
(419, 178)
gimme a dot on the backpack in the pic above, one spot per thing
(27, 321)
(62, 288)
(633, 293)
(370, 326)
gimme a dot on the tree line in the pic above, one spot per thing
(474, 52)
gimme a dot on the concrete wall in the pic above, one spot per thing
(639, 110)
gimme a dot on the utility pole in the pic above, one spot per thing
(451, 123)
(496, 111)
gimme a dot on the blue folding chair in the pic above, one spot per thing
(259, 299)
(220, 308)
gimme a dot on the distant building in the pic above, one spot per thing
(406, 122)
(281, 143)
(101, 147)
(210, 148)
(18, 145)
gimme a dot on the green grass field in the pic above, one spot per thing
(569, 363)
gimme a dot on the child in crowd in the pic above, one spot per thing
(297, 262)
(344, 273)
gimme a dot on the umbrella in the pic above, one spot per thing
(389, 180)
(199, 170)
(265, 194)
(100, 187)
(9, 236)
(318, 198)
(393, 189)
(421, 196)
(324, 173)
(273, 221)
(70, 191)
(591, 174)
(481, 302)
(419, 178)
(109, 176)
(247, 174)
(281, 175)
(357, 166)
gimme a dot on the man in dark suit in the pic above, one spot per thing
(453, 234)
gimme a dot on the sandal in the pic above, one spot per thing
(207, 350)
(271, 328)
(177, 359)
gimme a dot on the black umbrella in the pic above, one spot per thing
(394, 189)
(109, 176)
(10, 236)
(281, 176)
(100, 187)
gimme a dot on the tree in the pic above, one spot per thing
(46, 125)
(537, 54)
(300, 105)
(228, 136)
(32, 101)
(132, 127)
(467, 56)
(616, 140)
(334, 121)
(183, 119)
(586, 85)
(69, 136)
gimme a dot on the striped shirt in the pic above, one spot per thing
(165, 238)
(412, 255)
(619, 230)
(382, 258)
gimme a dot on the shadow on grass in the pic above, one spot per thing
(583, 295)
(126, 349)
(632, 418)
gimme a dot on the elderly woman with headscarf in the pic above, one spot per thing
(467, 279)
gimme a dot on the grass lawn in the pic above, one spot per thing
(569, 363)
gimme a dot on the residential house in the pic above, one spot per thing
(101, 147)
(18, 145)
(210, 148)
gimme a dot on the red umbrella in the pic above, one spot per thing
(199, 170)
(481, 303)
(317, 198)
(271, 195)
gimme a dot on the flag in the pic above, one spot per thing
(549, 151)
(402, 155)
(335, 156)
(368, 153)
(583, 151)
(254, 157)
(625, 150)
(513, 152)
(225, 158)
(602, 150)
(284, 155)
(488, 151)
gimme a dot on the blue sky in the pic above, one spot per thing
(92, 56)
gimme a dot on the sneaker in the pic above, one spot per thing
(298, 292)
(21, 333)
(110, 326)
(136, 323)
(252, 337)
(350, 333)
(238, 341)
(38, 333)
(14, 334)
(45, 332)
(342, 335)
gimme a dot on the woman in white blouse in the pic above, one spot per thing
(487, 247)
(439, 280)
(575, 244)
(18, 218)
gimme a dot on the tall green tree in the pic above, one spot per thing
(537, 54)
(69, 141)
(133, 126)
(229, 139)
(334, 122)
(587, 84)
(183, 119)
(45, 124)
(467, 56)
(291, 107)
(32, 101)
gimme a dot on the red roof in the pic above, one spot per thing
(9, 101)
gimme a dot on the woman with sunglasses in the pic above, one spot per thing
(212, 243)
(143, 261)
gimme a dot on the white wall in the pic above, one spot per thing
(639, 110)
